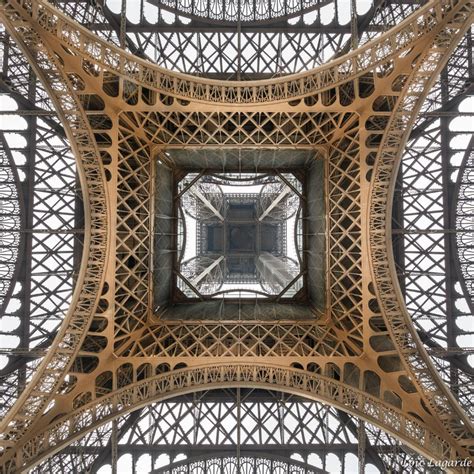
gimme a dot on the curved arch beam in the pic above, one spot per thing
(374, 53)
(67, 342)
(444, 20)
(412, 352)
(73, 426)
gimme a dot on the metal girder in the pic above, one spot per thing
(140, 36)
(19, 82)
(366, 338)
(296, 419)
(431, 139)
(371, 451)
(449, 105)
(28, 105)
(115, 24)
(194, 190)
(462, 206)
(456, 360)
(13, 213)
(286, 190)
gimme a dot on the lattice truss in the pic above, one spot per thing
(273, 38)
(46, 182)
(112, 355)
(434, 168)
(316, 435)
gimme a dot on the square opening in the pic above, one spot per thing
(243, 235)
(229, 235)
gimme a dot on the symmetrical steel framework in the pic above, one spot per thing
(240, 237)
(89, 364)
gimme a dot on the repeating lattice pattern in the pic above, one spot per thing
(192, 339)
(212, 53)
(464, 214)
(153, 429)
(288, 422)
(277, 378)
(344, 232)
(376, 56)
(99, 74)
(47, 380)
(232, 129)
(11, 204)
(424, 374)
(246, 10)
(313, 429)
(47, 278)
(425, 271)
(244, 464)
(132, 272)
(262, 52)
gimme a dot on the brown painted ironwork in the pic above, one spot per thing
(112, 355)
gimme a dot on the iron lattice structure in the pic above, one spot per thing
(91, 370)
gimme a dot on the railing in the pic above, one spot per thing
(243, 10)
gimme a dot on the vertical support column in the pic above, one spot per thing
(195, 419)
(279, 62)
(239, 44)
(449, 237)
(361, 446)
(123, 24)
(238, 428)
(354, 26)
(27, 251)
(274, 271)
(114, 435)
(470, 55)
(281, 418)
(114, 447)
(6, 52)
(200, 58)
(134, 463)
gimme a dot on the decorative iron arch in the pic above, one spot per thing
(260, 11)
(463, 206)
(271, 462)
(72, 426)
(13, 223)
(380, 241)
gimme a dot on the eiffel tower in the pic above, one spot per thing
(236, 236)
